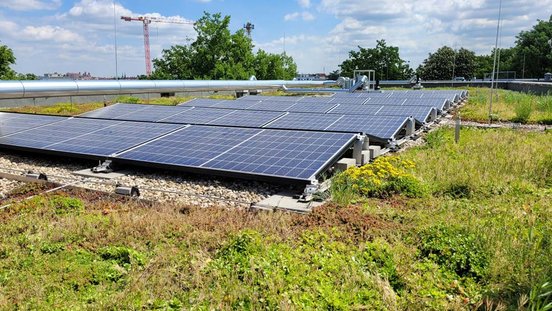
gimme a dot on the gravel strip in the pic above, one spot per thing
(7, 185)
(155, 186)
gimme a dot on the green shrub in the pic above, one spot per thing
(377, 257)
(52, 248)
(127, 100)
(63, 205)
(124, 256)
(523, 110)
(455, 249)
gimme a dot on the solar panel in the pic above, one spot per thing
(282, 154)
(315, 99)
(234, 104)
(154, 113)
(420, 113)
(272, 105)
(382, 127)
(247, 118)
(348, 100)
(55, 132)
(305, 121)
(190, 146)
(197, 115)
(311, 107)
(200, 102)
(356, 109)
(11, 123)
(113, 139)
(87, 137)
(114, 111)
(299, 155)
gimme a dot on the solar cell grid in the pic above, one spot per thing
(349, 100)
(114, 111)
(247, 118)
(11, 123)
(151, 113)
(55, 132)
(272, 105)
(383, 127)
(299, 155)
(191, 146)
(311, 107)
(112, 139)
(305, 121)
(356, 109)
(200, 102)
(198, 115)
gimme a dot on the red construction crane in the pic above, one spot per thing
(146, 20)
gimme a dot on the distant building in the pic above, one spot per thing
(68, 76)
(311, 77)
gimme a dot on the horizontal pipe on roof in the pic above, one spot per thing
(31, 89)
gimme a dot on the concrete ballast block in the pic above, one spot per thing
(344, 164)
(375, 151)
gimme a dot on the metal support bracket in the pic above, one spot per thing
(105, 167)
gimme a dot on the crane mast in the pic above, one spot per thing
(146, 20)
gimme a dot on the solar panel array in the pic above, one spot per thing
(282, 137)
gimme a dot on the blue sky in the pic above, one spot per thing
(72, 36)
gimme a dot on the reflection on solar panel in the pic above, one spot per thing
(247, 118)
(347, 100)
(87, 137)
(112, 139)
(420, 113)
(300, 155)
(14, 122)
(356, 109)
(198, 115)
(114, 111)
(155, 113)
(282, 154)
(190, 146)
(304, 121)
(234, 104)
(311, 107)
(200, 102)
(379, 127)
(272, 105)
(452, 95)
(382, 127)
(55, 133)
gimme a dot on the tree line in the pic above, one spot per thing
(217, 53)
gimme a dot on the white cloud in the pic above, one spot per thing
(51, 33)
(306, 16)
(304, 3)
(29, 5)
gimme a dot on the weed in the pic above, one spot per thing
(127, 100)
(62, 204)
(455, 249)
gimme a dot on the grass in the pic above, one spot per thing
(479, 239)
(508, 106)
(68, 109)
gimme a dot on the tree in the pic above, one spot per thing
(446, 63)
(385, 60)
(218, 54)
(334, 75)
(6, 60)
(534, 47)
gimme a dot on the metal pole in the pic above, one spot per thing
(457, 129)
(115, 32)
(494, 62)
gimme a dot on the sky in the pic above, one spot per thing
(83, 35)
